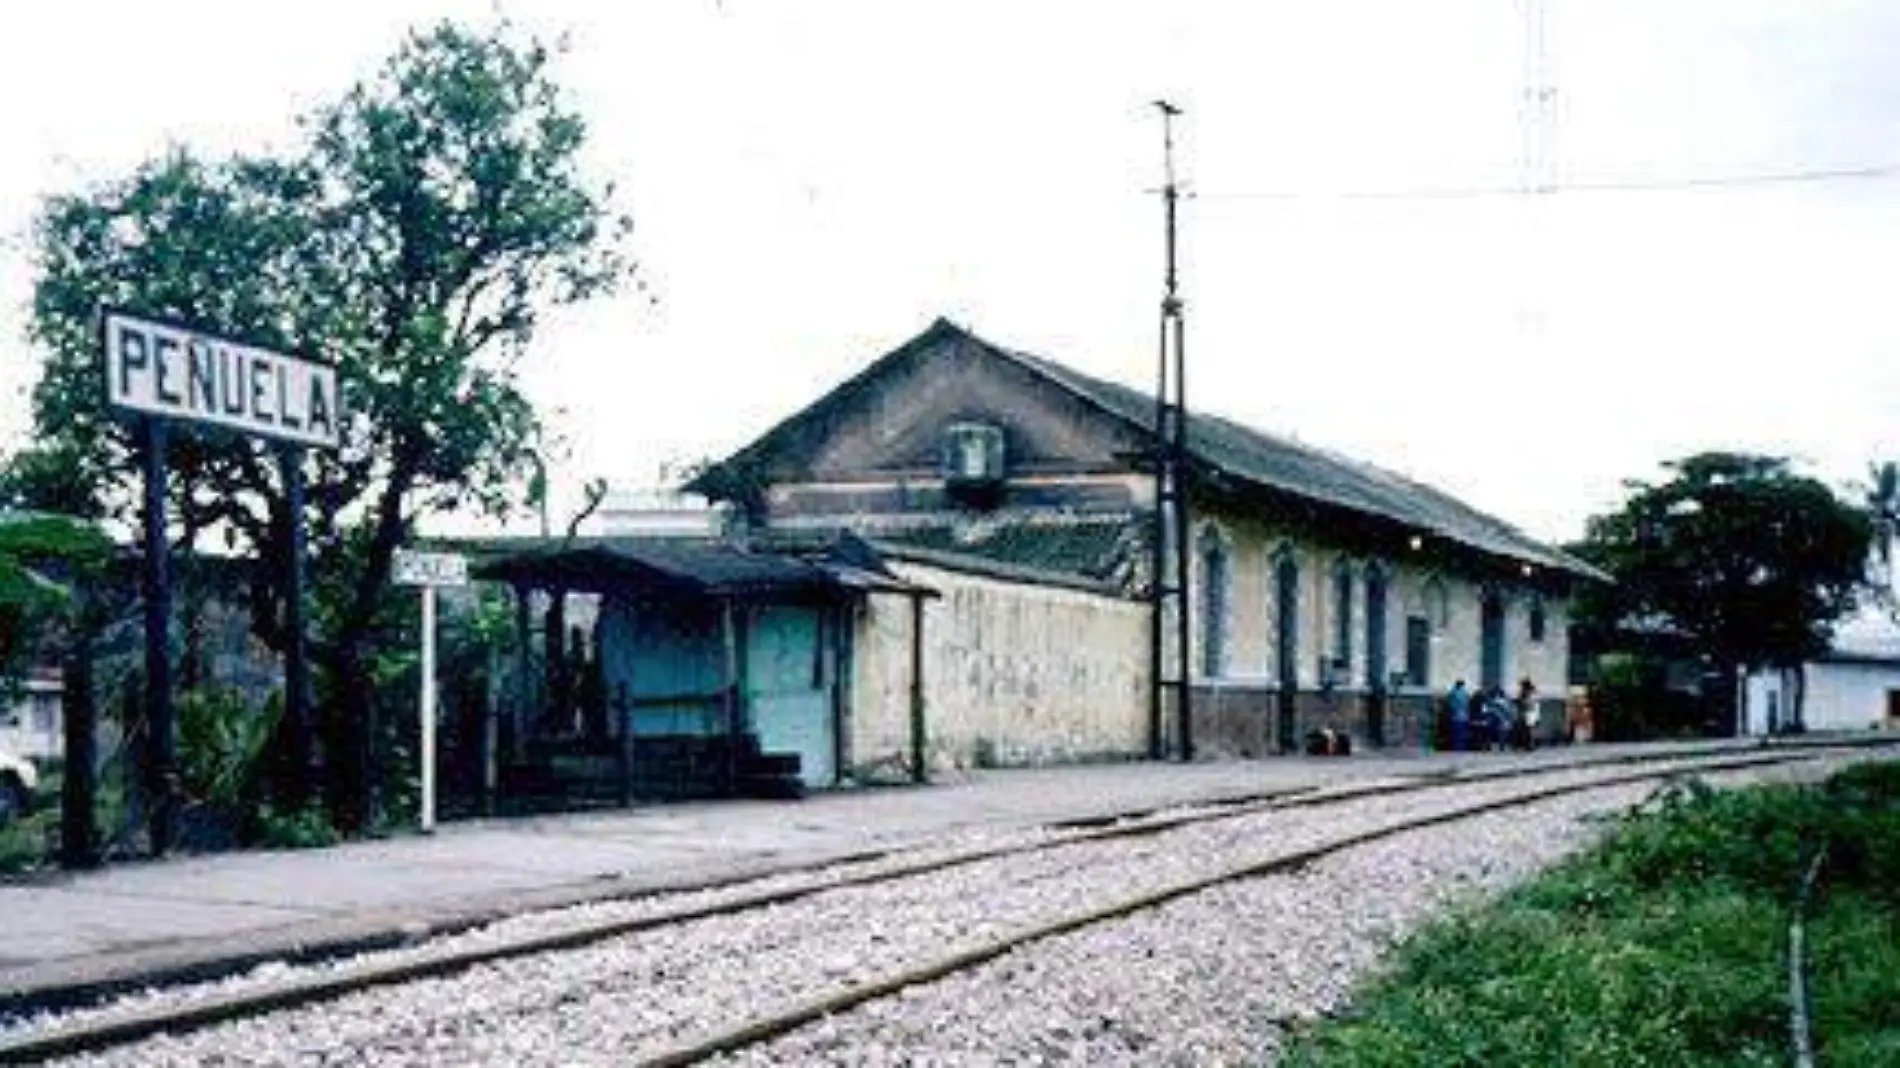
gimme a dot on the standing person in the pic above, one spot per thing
(1503, 720)
(1527, 712)
(1458, 701)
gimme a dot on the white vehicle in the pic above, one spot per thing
(19, 780)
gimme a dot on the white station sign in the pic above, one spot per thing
(411, 568)
(174, 371)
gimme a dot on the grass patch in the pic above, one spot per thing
(1663, 946)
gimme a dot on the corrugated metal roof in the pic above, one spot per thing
(1236, 451)
(1244, 453)
(689, 566)
(1091, 547)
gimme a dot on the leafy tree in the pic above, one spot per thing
(435, 213)
(55, 599)
(42, 558)
(1748, 560)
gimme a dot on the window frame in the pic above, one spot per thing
(1216, 561)
(1418, 638)
(1342, 659)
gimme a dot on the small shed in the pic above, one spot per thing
(726, 665)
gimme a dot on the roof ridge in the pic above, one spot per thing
(1516, 541)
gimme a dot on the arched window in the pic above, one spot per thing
(1491, 638)
(1375, 626)
(1342, 616)
(1214, 581)
(1437, 603)
(1286, 618)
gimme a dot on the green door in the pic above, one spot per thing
(1491, 642)
(789, 681)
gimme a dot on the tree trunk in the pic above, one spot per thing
(191, 666)
(558, 716)
(78, 825)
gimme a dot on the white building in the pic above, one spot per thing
(1856, 686)
(658, 512)
(31, 724)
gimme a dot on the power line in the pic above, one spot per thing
(1689, 183)
(1536, 106)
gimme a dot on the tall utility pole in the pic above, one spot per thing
(1536, 175)
(1170, 575)
(1537, 105)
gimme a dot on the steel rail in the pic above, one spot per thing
(93, 1032)
(761, 1029)
(18, 1001)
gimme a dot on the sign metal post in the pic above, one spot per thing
(428, 709)
(428, 570)
(161, 773)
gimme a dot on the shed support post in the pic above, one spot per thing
(520, 711)
(623, 720)
(557, 712)
(491, 729)
(919, 772)
(838, 651)
(730, 631)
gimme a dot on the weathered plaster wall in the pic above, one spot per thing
(1015, 673)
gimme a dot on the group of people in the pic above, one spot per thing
(1486, 719)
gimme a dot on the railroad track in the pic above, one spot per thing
(108, 1028)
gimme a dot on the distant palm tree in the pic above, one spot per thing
(1883, 507)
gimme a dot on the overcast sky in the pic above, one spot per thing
(813, 183)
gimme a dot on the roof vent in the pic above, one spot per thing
(973, 459)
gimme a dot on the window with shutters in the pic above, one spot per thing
(1418, 651)
(1375, 627)
(1286, 615)
(1214, 581)
(1342, 618)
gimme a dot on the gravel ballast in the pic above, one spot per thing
(1217, 978)
(1258, 960)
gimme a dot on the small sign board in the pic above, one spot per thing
(168, 370)
(414, 568)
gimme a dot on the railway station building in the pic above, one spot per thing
(1325, 592)
(945, 562)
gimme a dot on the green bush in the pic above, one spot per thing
(305, 828)
(221, 741)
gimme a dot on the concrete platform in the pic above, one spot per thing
(69, 936)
